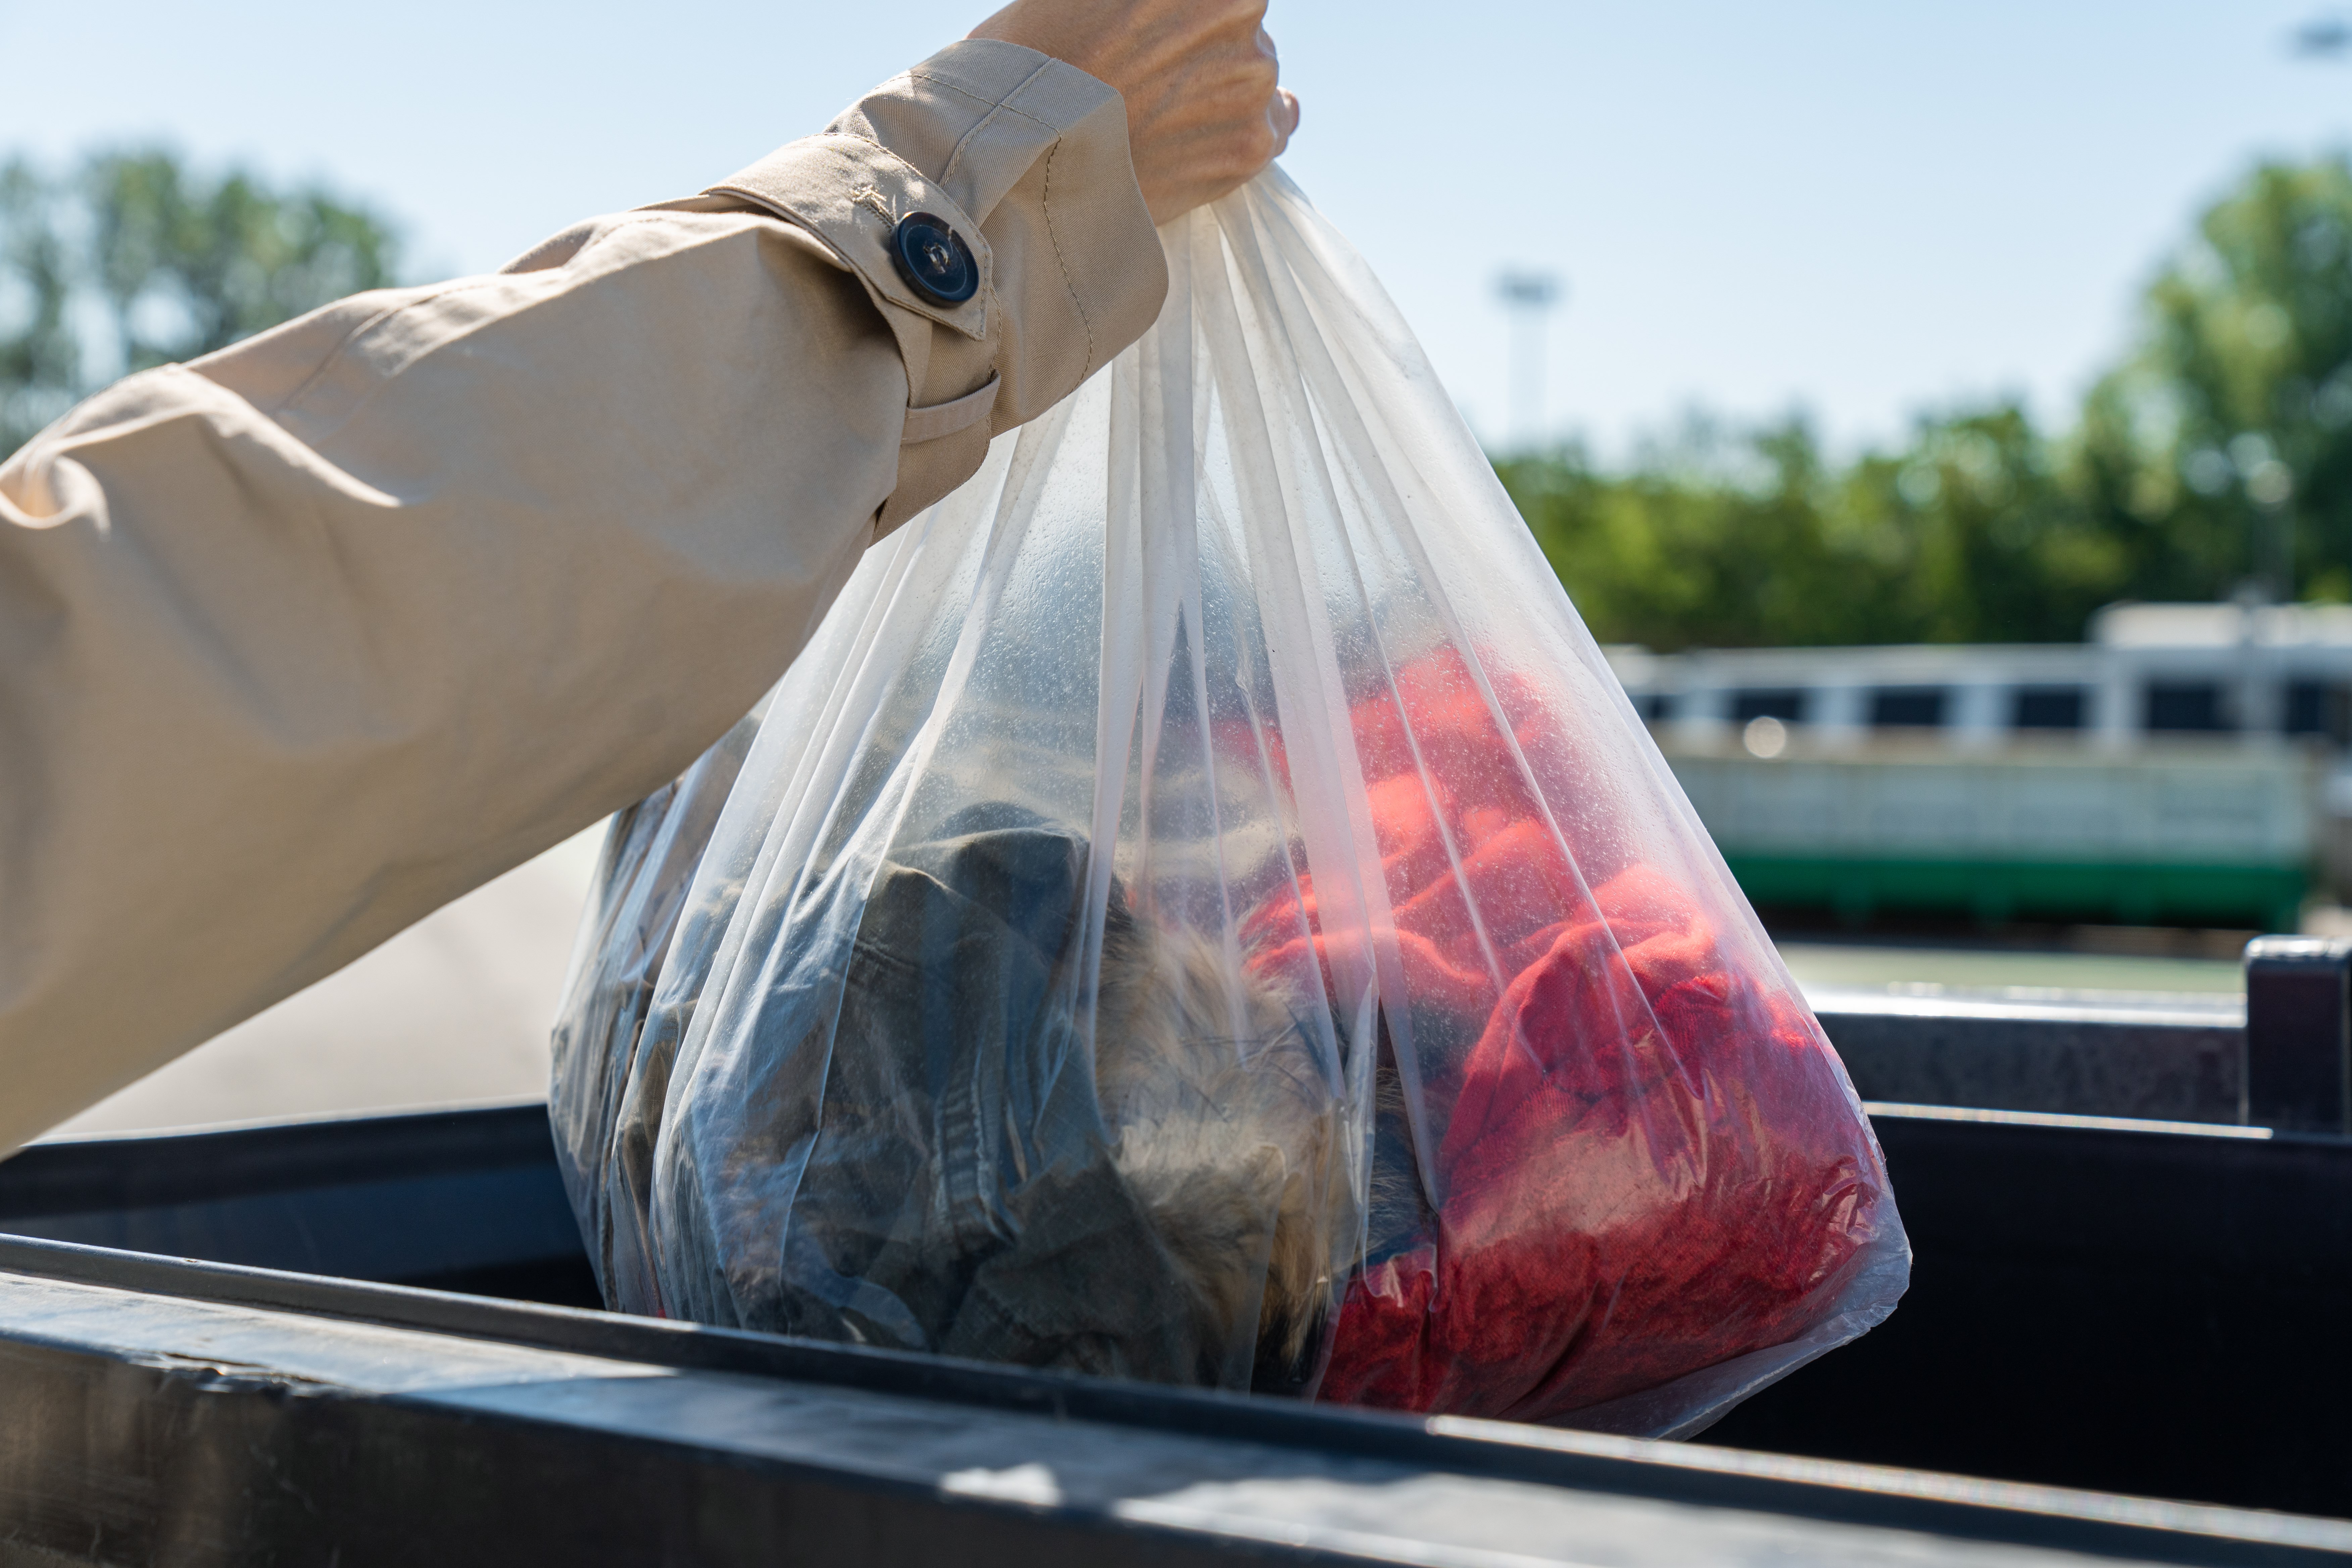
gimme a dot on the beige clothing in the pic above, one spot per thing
(304, 639)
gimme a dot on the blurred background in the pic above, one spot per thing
(1945, 417)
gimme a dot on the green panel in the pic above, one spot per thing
(2268, 897)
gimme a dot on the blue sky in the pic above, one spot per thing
(1863, 209)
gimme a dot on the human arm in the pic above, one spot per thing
(302, 640)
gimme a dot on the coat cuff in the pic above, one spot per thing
(1026, 158)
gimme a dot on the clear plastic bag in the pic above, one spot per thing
(1201, 910)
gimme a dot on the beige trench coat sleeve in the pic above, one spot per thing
(300, 641)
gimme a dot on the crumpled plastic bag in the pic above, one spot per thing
(1200, 909)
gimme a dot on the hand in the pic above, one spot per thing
(1203, 111)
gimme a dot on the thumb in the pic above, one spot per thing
(1282, 113)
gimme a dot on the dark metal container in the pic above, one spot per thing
(2137, 1307)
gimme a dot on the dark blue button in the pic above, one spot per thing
(934, 259)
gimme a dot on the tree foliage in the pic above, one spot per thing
(1751, 538)
(2222, 447)
(134, 260)
(2218, 452)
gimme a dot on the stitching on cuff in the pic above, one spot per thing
(1003, 105)
(941, 81)
(1045, 205)
(853, 136)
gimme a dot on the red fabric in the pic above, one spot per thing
(1648, 1163)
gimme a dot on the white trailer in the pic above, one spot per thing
(2210, 835)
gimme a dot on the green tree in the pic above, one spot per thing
(1755, 539)
(136, 261)
(1981, 537)
(1713, 537)
(40, 361)
(2218, 452)
(2222, 450)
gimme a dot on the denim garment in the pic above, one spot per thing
(959, 1195)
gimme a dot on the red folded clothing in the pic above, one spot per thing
(1647, 1163)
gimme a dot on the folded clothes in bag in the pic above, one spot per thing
(1701, 1180)
(1200, 909)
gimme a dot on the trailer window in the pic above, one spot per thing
(2047, 708)
(1786, 703)
(1655, 707)
(1907, 707)
(2189, 705)
(2319, 707)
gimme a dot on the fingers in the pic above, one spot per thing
(1282, 114)
(1282, 109)
(1247, 14)
(1202, 80)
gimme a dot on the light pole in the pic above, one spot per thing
(1528, 297)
